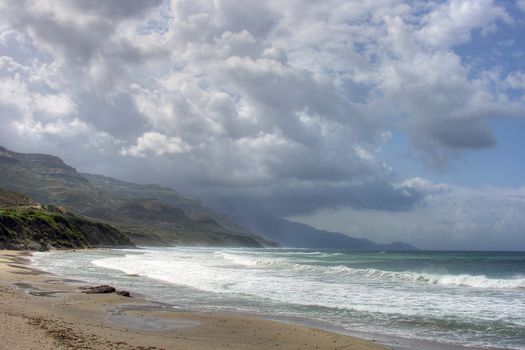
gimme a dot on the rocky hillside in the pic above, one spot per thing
(192, 207)
(8, 198)
(147, 214)
(24, 224)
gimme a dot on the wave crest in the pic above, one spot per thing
(465, 280)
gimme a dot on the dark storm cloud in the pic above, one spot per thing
(59, 25)
(116, 8)
(118, 116)
(301, 199)
(465, 135)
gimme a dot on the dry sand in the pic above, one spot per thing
(42, 311)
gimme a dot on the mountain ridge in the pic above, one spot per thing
(192, 207)
(47, 179)
(297, 235)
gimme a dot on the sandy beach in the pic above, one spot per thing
(43, 311)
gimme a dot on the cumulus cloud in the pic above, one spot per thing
(516, 80)
(157, 144)
(294, 102)
(451, 23)
(422, 185)
(54, 105)
(35, 115)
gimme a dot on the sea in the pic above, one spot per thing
(467, 299)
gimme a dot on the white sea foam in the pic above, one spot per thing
(479, 281)
(475, 281)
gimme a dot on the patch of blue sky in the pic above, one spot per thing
(502, 165)
(501, 48)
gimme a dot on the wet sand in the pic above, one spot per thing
(43, 311)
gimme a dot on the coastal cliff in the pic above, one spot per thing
(25, 224)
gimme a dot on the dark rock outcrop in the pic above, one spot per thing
(102, 289)
(124, 293)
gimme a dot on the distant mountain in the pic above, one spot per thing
(25, 224)
(149, 214)
(297, 235)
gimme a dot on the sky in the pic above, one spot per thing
(384, 119)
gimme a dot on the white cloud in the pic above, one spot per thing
(451, 22)
(65, 129)
(24, 89)
(217, 71)
(423, 185)
(363, 153)
(55, 105)
(157, 144)
(516, 80)
(33, 113)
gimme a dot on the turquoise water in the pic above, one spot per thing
(463, 298)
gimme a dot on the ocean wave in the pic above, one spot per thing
(465, 280)
(476, 281)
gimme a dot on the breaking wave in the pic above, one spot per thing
(474, 281)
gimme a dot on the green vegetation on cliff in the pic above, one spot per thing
(45, 227)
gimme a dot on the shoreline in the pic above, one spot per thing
(43, 311)
(390, 341)
(151, 307)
